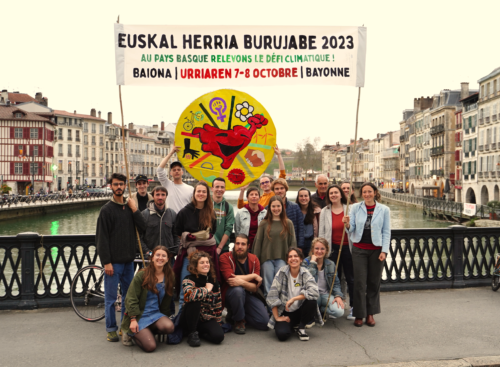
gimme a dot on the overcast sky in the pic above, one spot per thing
(65, 50)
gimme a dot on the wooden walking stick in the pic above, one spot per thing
(353, 162)
(126, 166)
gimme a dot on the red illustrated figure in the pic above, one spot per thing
(226, 144)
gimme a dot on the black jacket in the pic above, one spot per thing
(160, 230)
(318, 200)
(115, 234)
(188, 220)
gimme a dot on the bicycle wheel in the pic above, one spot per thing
(495, 282)
(87, 293)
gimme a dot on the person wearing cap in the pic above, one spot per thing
(180, 194)
(141, 197)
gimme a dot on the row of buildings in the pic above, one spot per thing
(57, 149)
(447, 145)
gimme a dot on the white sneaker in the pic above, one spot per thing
(350, 316)
(224, 312)
(308, 326)
(331, 317)
(302, 336)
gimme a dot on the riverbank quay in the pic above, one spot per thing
(442, 209)
(23, 209)
(414, 326)
(36, 271)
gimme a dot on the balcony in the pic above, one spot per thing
(60, 137)
(487, 119)
(60, 154)
(70, 138)
(78, 155)
(458, 143)
(77, 139)
(481, 148)
(458, 163)
(93, 158)
(467, 131)
(437, 151)
(112, 162)
(85, 142)
(437, 129)
(481, 121)
(112, 137)
(93, 143)
(480, 175)
(437, 172)
(493, 146)
(70, 155)
(473, 130)
(487, 147)
(494, 118)
(486, 174)
(101, 144)
(427, 159)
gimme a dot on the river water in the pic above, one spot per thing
(84, 221)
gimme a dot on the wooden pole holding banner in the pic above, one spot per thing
(126, 166)
(353, 162)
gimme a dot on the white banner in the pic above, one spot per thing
(469, 209)
(236, 56)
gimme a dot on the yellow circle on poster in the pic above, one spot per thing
(226, 133)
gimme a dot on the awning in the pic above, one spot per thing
(430, 187)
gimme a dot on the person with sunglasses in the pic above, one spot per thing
(265, 184)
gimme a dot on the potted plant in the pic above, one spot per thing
(5, 189)
(494, 206)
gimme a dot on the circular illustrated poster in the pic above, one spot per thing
(226, 134)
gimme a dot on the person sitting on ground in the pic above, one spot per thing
(323, 270)
(292, 299)
(141, 197)
(180, 192)
(280, 188)
(224, 214)
(249, 217)
(196, 224)
(202, 312)
(241, 273)
(274, 237)
(148, 302)
(265, 184)
(319, 196)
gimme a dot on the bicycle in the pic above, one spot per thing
(495, 277)
(87, 293)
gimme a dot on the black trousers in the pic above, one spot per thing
(191, 321)
(301, 317)
(367, 276)
(346, 265)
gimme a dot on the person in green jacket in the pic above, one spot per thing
(224, 213)
(148, 302)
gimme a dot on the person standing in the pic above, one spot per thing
(265, 184)
(369, 225)
(180, 193)
(310, 212)
(202, 313)
(116, 241)
(331, 227)
(196, 224)
(319, 196)
(147, 302)
(141, 196)
(249, 217)
(292, 299)
(345, 188)
(224, 215)
(274, 237)
(240, 271)
(280, 188)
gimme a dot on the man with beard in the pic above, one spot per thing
(116, 241)
(240, 271)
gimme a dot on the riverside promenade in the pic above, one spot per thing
(414, 326)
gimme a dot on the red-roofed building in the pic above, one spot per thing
(26, 149)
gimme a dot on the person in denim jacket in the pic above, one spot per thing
(369, 226)
(323, 270)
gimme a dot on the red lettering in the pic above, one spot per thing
(282, 73)
(228, 73)
(262, 73)
(197, 74)
(268, 72)
(183, 73)
(274, 73)
(287, 73)
(221, 73)
(207, 74)
(255, 73)
(294, 72)
(214, 73)
(190, 73)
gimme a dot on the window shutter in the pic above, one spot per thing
(40, 133)
(26, 132)
(12, 170)
(12, 132)
(26, 168)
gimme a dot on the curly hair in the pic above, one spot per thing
(320, 240)
(194, 259)
(297, 250)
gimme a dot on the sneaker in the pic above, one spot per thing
(127, 340)
(350, 316)
(331, 317)
(194, 339)
(302, 335)
(239, 327)
(308, 326)
(112, 337)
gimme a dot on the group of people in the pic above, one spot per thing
(281, 273)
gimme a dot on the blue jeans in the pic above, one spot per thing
(268, 270)
(333, 309)
(184, 273)
(123, 274)
(246, 306)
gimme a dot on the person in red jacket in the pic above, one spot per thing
(240, 271)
